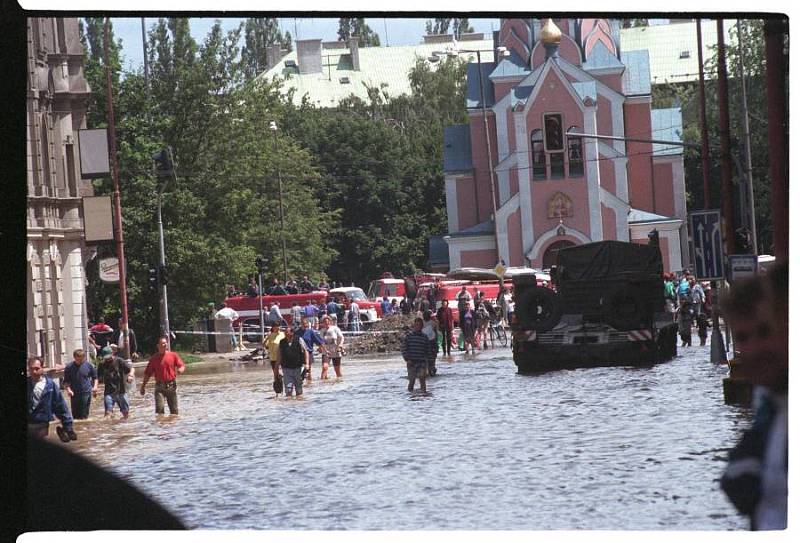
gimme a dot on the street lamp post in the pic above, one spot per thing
(274, 127)
(503, 52)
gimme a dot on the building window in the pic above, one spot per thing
(538, 163)
(575, 151)
(553, 132)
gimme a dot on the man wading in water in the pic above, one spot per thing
(416, 350)
(293, 357)
(164, 365)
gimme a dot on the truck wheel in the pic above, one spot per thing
(624, 308)
(540, 308)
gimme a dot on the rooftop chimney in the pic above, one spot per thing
(352, 44)
(274, 55)
(309, 56)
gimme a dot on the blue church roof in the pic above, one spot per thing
(512, 65)
(636, 77)
(473, 90)
(601, 57)
(457, 148)
(667, 125)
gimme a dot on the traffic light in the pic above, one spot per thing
(152, 279)
(553, 132)
(260, 264)
(163, 163)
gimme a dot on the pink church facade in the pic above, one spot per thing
(553, 187)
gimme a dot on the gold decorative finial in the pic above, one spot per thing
(550, 33)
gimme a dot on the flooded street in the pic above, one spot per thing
(599, 449)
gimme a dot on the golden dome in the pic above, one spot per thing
(550, 33)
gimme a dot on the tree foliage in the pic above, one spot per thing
(686, 96)
(357, 28)
(442, 26)
(260, 33)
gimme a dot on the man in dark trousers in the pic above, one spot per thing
(164, 366)
(45, 401)
(416, 351)
(445, 319)
(80, 383)
(293, 357)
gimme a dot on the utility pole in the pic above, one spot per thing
(725, 141)
(146, 65)
(746, 126)
(703, 126)
(775, 31)
(274, 127)
(112, 149)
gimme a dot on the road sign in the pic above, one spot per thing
(500, 270)
(742, 266)
(707, 237)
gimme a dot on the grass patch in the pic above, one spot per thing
(189, 358)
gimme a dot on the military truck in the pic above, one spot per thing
(606, 309)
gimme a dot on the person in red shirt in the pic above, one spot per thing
(163, 366)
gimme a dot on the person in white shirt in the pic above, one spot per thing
(230, 314)
(332, 348)
(354, 317)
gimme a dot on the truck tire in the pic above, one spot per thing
(624, 308)
(540, 308)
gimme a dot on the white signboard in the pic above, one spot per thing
(97, 219)
(742, 266)
(109, 270)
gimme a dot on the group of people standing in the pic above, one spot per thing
(690, 303)
(291, 353)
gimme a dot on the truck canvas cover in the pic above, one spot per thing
(610, 259)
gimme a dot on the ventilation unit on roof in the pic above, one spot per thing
(684, 54)
(290, 63)
(344, 80)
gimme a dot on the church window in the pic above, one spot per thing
(553, 132)
(538, 163)
(575, 152)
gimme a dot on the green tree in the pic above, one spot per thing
(358, 28)
(686, 96)
(442, 26)
(259, 33)
(91, 35)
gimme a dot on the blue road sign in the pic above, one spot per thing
(707, 240)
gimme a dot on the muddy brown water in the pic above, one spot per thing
(486, 448)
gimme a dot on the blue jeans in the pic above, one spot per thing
(121, 399)
(291, 379)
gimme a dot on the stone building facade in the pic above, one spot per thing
(57, 95)
(557, 82)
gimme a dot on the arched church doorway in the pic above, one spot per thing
(549, 257)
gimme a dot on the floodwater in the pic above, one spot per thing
(486, 448)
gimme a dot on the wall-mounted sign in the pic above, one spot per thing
(109, 269)
(97, 222)
(742, 267)
(93, 146)
(559, 206)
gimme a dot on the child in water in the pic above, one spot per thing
(702, 328)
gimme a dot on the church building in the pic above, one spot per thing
(559, 150)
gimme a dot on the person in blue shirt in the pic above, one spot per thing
(416, 352)
(386, 307)
(310, 338)
(333, 309)
(80, 382)
(44, 402)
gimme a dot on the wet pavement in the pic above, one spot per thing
(486, 448)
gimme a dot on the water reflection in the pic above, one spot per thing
(484, 448)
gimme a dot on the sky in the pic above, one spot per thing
(395, 31)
